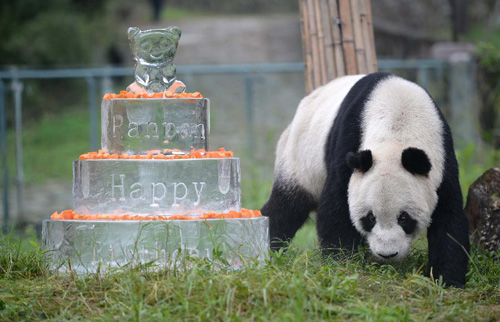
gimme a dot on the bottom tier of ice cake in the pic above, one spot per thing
(85, 246)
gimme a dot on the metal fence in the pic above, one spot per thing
(424, 72)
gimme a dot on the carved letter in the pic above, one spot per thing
(201, 131)
(169, 130)
(137, 193)
(133, 130)
(155, 197)
(116, 125)
(208, 253)
(193, 252)
(111, 253)
(151, 130)
(184, 129)
(96, 251)
(161, 255)
(198, 192)
(119, 186)
(176, 198)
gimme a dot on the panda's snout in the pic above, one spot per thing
(388, 256)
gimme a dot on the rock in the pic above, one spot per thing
(483, 210)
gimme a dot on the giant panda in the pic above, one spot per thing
(373, 156)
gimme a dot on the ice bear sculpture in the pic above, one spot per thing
(154, 51)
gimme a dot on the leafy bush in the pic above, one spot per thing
(473, 162)
(489, 57)
(49, 32)
(52, 33)
(52, 38)
(489, 87)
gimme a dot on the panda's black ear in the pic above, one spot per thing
(416, 161)
(361, 160)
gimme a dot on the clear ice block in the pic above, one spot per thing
(184, 187)
(137, 126)
(91, 246)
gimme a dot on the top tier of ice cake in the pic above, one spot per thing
(139, 125)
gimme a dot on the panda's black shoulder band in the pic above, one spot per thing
(416, 161)
(361, 160)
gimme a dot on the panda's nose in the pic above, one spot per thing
(388, 256)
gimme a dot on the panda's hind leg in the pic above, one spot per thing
(288, 208)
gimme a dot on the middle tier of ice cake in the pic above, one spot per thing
(137, 125)
(184, 187)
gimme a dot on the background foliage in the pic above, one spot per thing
(51, 32)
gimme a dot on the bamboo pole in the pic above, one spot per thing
(329, 44)
(337, 37)
(306, 45)
(371, 37)
(365, 34)
(321, 42)
(359, 44)
(316, 61)
(347, 37)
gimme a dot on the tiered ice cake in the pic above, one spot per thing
(154, 192)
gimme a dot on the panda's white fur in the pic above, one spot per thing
(397, 115)
(300, 153)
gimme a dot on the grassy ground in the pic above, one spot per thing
(296, 286)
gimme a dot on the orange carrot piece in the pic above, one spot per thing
(167, 94)
(243, 213)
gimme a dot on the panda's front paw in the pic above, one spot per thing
(277, 244)
(454, 284)
(451, 282)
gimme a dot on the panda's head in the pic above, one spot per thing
(390, 197)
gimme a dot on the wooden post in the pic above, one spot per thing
(337, 38)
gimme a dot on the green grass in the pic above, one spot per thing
(295, 286)
(50, 145)
(473, 162)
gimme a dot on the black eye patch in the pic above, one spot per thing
(368, 222)
(407, 223)
(416, 161)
